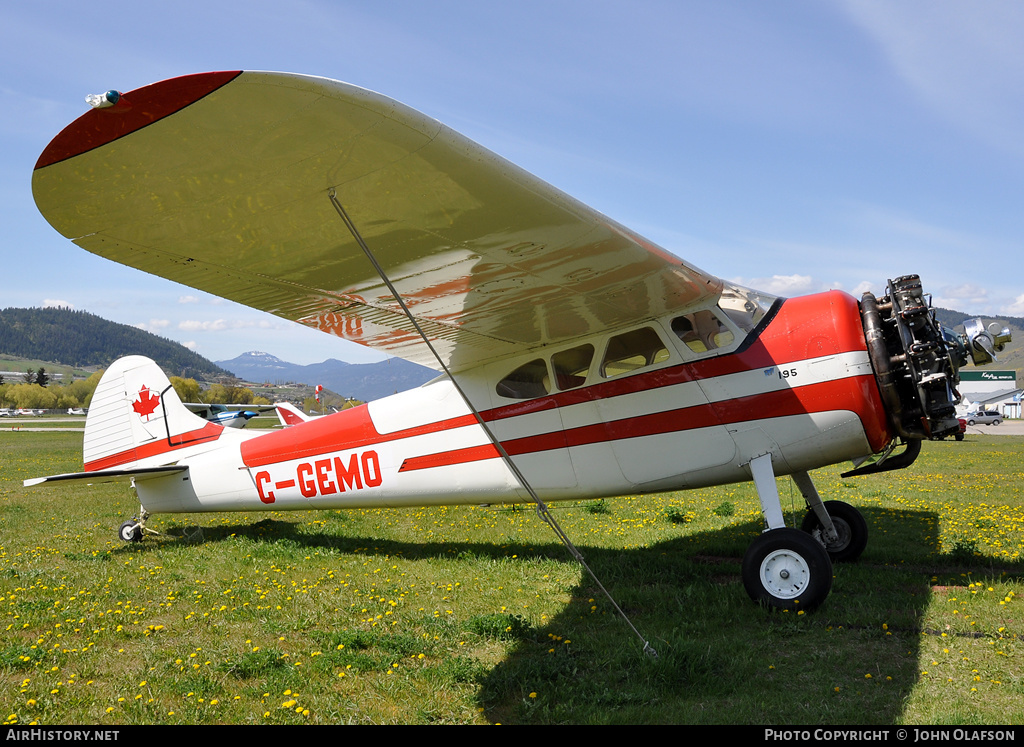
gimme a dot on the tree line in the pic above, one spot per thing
(79, 393)
(51, 396)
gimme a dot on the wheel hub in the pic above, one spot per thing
(843, 536)
(785, 574)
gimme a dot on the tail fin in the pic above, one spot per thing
(136, 419)
(289, 414)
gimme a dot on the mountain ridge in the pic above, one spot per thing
(362, 381)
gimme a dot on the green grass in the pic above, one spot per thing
(476, 615)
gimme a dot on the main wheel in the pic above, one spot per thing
(787, 569)
(850, 526)
(130, 531)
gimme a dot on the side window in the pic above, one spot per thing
(571, 366)
(702, 331)
(633, 350)
(529, 380)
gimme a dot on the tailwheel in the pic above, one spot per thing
(130, 531)
(787, 569)
(851, 528)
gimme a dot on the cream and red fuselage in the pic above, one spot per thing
(800, 387)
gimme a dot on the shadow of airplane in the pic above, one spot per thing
(720, 658)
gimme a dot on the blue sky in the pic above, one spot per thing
(791, 146)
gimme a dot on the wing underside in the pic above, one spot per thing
(220, 181)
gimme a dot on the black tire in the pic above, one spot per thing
(787, 569)
(959, 436)
(970, 422)
(996, 422)
(130, 531)
(849, 523)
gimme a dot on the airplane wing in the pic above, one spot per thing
(220, 181)
(202, 409)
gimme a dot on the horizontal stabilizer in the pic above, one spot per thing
(109, 475)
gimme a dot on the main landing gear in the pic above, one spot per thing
(792, 569)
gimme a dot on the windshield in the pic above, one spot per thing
(744, 307)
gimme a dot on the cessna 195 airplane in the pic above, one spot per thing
(581, 360)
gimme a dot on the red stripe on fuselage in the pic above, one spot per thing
(209, 432)
(826, 396)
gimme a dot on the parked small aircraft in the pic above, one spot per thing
(584, 360)
(230, 416)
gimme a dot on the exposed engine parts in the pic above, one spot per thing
(917, 361)
(985, 343)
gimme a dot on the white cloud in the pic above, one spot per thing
(865, 286)
(204, 326)
(56, 303)
(153, 326)
(188, 299)
(1016, 308)
(784, 285)
(191, 344)
(219, 325)
(960, 297)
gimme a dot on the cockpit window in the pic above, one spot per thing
(571, 366)
(529, 380)
(633, 350)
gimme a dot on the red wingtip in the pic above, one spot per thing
(148, 104)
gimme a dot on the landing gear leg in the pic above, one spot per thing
(135, 529)
(838, 526)
(784, 568)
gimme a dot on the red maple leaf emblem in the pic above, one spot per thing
(146, 404)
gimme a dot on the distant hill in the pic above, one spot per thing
(951, 318)
(363, 381)
(78, 338)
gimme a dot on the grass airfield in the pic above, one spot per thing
(479, 615)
